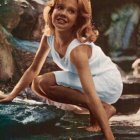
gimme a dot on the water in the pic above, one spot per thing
(30, 46)
(31, 120)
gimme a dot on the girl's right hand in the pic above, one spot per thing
(5, 97)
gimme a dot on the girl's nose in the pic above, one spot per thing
(64, 12)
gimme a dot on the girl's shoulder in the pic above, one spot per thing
(87, 43)
(78, 42)
(76, 47)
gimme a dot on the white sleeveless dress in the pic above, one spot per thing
(106, 77)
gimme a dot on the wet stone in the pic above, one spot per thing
(128, 104)
(22, 118)
(131, 88)
(30, 120)
(131, 84)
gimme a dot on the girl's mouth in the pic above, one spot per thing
(61, 20)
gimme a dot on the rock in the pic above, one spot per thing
(131, 88)
(22, 117)
(25, 119)
(131, 84)
(31, 21)
(10, 14)
(6, 58)
(34, 112)
(128, 104)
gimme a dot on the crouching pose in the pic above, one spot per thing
(87, 76)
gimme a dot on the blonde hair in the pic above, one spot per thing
(84, 29)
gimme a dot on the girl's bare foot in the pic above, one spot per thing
(94, 127)
(110, 110)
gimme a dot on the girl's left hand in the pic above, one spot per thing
(2, 95)
(5, 97)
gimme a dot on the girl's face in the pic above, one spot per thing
(64, 15)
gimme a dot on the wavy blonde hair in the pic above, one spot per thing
(84, 29)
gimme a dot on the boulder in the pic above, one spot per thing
(31, 21)
(27, 119)
(10, 13)
(6, 58)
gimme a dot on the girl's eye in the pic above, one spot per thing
(71, 11)
(59, 7)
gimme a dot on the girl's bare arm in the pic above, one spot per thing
(80, 58)
(32, 71)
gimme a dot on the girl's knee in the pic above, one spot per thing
(44, 82)
(35, 83)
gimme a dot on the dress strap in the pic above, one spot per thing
(50, 41)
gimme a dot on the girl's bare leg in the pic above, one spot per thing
(46, 87)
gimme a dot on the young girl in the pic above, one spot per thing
(87, 76)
